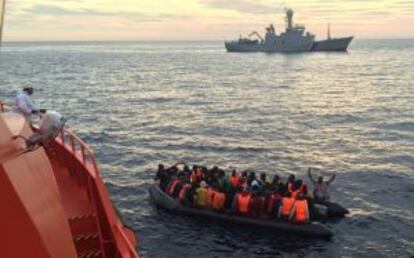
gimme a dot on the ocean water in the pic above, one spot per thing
(143, 103)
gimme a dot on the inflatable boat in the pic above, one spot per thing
(313, 229)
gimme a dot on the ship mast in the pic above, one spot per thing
(329, 31)
(2, 14)
(289, 19)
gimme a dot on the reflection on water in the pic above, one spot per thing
(139, 104)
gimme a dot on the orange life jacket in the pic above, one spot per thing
(287, 205)
(218, 202)
(172, 186)
(234, 180)
(301, 211)
(243, 203)
(210, 196)
(181, 195)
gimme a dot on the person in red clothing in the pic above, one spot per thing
(274, 203)
(257, 203)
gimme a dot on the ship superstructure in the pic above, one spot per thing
(293, 39)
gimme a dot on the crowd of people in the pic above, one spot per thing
(243, 193)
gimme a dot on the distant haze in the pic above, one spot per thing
(43, 20)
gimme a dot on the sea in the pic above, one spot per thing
(139, 104)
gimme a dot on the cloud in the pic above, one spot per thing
(54, 10)
(242, 6)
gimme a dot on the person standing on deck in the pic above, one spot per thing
(24, 103)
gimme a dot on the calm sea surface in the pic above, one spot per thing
(140, 104)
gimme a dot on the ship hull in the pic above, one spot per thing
(234, 46)
(332, 45)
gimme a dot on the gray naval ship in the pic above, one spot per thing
(293, 39)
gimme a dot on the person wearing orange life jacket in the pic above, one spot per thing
(286, 206)
(171, 186)
(234, 179)
(241, 202)
(211, 192)
(300, 211)
(183, 190)
(218, 201)
(200, 198)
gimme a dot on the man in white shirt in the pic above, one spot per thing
(24, 104)
(51, 122)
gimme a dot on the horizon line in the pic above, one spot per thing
(165, 40)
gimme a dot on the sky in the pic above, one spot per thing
(44, 20)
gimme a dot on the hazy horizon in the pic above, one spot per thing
(200, 20)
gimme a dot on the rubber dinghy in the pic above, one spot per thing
(335, 210)
(314, 229)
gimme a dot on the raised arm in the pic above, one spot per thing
(332, 178)
(310, 176)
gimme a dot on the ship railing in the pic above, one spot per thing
(86, 157)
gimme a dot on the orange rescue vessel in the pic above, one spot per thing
(55, 203)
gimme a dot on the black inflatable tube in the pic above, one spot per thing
(314, 229)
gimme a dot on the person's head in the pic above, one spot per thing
(297, 184)
(291, 178)
(244, 174)
(276, 179)
(160, 167)
(203, 184)
(263, 177)
(186, 168)
(234, 172)
(222, 173)
(28, 90)
(244, 189)
(320, 179)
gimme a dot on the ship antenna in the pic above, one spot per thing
(329, 31)
(2, 14)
